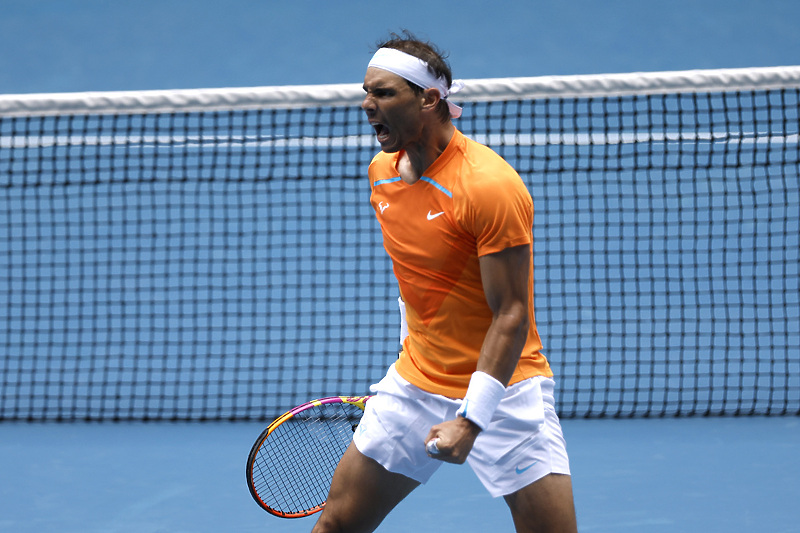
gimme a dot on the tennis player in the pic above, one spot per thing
(471, 383)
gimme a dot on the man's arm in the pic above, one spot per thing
(505, 283)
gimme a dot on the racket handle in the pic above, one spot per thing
(431, 447)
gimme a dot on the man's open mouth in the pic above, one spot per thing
(381, 131)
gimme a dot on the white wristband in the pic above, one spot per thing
(483, 396)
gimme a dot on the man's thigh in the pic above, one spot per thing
(546, 505)
(362, 493)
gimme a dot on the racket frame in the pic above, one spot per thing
(358, 401)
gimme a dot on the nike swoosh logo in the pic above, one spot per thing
(521, 470)
(432, 216)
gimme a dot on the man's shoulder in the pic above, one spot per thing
(484, 168)
(382, 159)
(382, 164)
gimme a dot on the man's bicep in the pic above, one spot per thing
(505, 278)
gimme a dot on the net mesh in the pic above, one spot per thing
(212, 255)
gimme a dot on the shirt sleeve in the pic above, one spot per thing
(499, 213)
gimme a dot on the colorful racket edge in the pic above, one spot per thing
(290, 466)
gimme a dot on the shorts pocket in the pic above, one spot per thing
(516, 422)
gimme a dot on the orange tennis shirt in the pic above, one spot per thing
(469, 203)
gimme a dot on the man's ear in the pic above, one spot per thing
(430, 98)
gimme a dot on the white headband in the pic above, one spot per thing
(416, 71)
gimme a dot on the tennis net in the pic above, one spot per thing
(211, 254)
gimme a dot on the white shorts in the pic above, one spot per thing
(522, 444)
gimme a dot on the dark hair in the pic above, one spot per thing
(428, 52)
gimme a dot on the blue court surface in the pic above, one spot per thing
(95, 45)
(646, 475)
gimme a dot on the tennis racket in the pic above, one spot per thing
(291, 464)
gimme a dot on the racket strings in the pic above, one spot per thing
(294, 466)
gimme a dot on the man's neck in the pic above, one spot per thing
(416, 159)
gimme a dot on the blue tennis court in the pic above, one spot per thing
(687, 475)
(664, 473)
